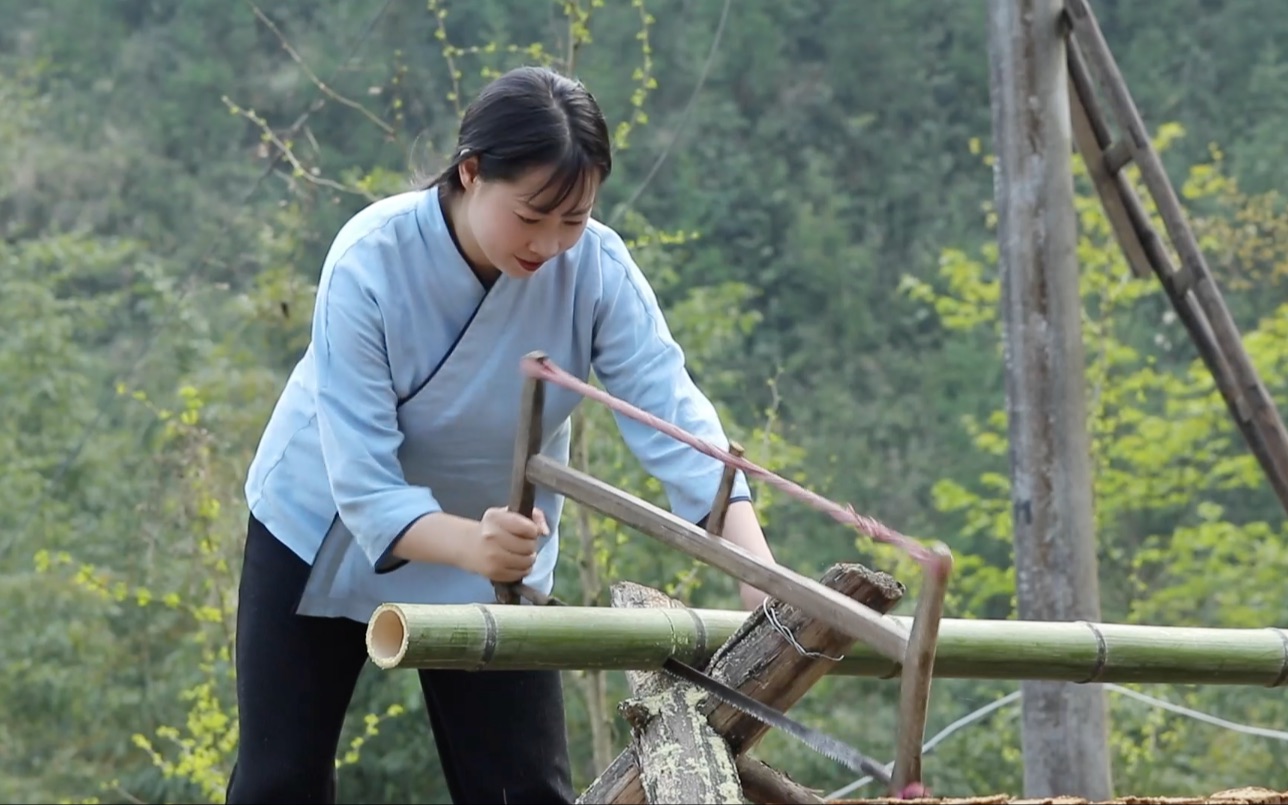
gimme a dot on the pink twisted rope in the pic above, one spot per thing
(546, 370)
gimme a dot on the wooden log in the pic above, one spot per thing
(489, 636)
(843, 614)
(763, 785)
(680, 758)
(761, 660)
(620, 782)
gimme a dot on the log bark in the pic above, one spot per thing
(765, 785)
(681, 759)
(620, 782)
(760, 660)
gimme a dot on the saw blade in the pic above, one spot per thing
(820, 742)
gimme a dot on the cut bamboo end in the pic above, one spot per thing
(387, 636)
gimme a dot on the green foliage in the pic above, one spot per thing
(177, 598)
(1178, 542)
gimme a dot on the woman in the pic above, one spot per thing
(384, 470)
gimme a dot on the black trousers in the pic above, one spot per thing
(500, 734)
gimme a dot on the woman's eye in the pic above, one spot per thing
(528, 220)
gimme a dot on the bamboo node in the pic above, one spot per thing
(491, 637)
(1283, 670)
(1102, 654)
(699, 631)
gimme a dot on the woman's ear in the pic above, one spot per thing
(468, 171)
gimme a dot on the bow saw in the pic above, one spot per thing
(914, 649)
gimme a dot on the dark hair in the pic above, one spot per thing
(528, 118)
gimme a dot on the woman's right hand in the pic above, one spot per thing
(506, 545)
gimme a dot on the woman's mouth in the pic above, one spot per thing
(528, 265)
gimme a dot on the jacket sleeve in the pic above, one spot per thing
(636, 358)
(357, 415)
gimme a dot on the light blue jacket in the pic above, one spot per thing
(406, 401)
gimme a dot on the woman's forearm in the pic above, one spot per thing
(742, 528)
(440, 538)
(437, 539)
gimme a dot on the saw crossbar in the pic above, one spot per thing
(884, 635)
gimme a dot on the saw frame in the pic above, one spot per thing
(913, 648)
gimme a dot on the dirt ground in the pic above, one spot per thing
(1235, 796)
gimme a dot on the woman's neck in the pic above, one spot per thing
(453, 206)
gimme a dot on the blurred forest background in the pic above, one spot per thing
(808, 185)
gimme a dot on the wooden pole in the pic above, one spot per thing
(483, 637)
(720, 507)
(1064, 727)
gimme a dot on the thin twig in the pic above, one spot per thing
(318, 82)
(684, 117)
(289, 155)
(10, 538)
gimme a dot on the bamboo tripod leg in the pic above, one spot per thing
(1250, 402)
(918, 670)
(527, 442)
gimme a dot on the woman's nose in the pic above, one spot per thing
(545, 246)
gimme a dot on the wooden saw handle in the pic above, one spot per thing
(527, 442)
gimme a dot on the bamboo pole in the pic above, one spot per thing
(496, 637)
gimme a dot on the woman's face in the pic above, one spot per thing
(504, 227)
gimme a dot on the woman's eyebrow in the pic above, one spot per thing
(570, 214)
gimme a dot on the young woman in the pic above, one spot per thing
(384, 470)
